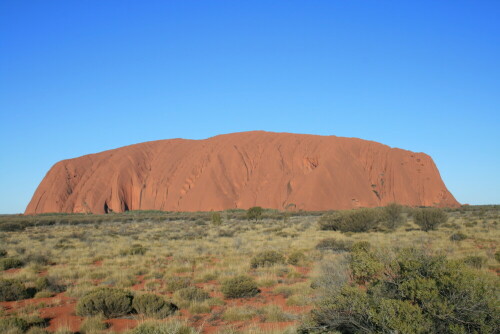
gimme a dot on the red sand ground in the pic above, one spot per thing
(241, 170)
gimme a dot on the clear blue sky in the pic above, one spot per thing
(79, 77)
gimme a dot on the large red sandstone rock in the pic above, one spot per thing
(241, 170)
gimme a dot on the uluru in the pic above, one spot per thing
(241, 170)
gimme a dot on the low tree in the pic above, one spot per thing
(393, 215)
(254, 213)
(429, 218)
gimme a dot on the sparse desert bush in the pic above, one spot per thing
(170, 327)
(459, 236)
(429, 218)
(175, 283)
(296, 257)
(43, 294)
(266, 259)
(11, 290)
(216, 218)
(3, 252)
(48, 283)
(193, 293)
(336, 245)
(135, 249)
(239, 287)
(93, 325)
(475, 261)
(106, 301)
(9, 263)
(419, 293)
(254, 213)
(12, 324)
(360, 220)
(154, 306)
(393, 215)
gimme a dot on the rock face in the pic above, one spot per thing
(241, 170)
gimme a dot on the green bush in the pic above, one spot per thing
(216, 218)
(175, 283)
(48, 283)
(254, 213)
(109, 302)
(154, 306)
(11, 290)
(365, 266)
(361, 246)
(475, 261)
(296, 258)
(497, 256)
(135, 249)
(193, 293)
(416, 293)
(430, 218)
(240, 287)
(9, 263)
(13, 323)
(3, 252)
(266, 259)
(336, 245)
(360, 220)
(459, 236)
(393, 215)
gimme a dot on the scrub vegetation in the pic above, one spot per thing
(384, 270)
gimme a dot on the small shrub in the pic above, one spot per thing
(48, 283)
(296, 258)
(254, 213)
(361, 246)
(106, 301)
(3, 252)
(393, 215)
(9, 263)
(175, 283)
(430, 218)
(135, 249)
(93, 325)
(240, 287)
(193, 293)
(360, 220)
(11, 290)
(13, 323)
(154, 306)
(475, 261)
(44, 294)
(336, 245)
(497, 256)
(266, 259)
(216, 219)
(364, 265)
(459, 236)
